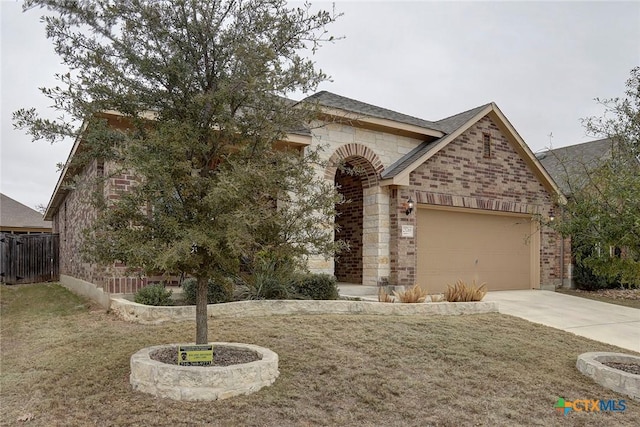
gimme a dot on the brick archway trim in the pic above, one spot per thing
(359, 155)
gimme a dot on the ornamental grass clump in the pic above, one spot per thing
(383, 296)
(412, 295)
(461, 292)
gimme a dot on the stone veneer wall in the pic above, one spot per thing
(376, 150)
(459, 175)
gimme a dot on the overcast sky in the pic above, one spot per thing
(543, 63)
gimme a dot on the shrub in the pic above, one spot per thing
(217, 291)
(153, 295)
(587, 280)
(460, 292)
(316, 286)
(267, 278)
(412, 295)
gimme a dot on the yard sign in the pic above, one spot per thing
(195, 355)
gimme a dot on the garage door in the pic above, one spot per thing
(469, 246)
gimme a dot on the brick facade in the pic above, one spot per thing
(403, 249)
(461, 174)
(348, 266)
(76, 214)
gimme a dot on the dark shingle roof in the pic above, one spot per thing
(447, 125)
(14, 214)
(329, 99)
(571, 163)
(409, 158)
(452, 123)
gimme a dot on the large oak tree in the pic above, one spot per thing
(201, 87)
(602, 214)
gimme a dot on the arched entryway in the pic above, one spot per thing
(355, 169)
(349, 218)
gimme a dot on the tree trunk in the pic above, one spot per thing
(201, 311)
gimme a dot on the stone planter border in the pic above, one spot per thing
(590, 364)
(150, 315)
(202, 383)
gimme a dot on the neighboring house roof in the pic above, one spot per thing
(569, 165)
(14, 216)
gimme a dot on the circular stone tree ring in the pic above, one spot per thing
(202, 382)
(594, 366)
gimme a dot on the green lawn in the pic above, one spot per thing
(66, 362)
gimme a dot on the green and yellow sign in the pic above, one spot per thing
(195, 355)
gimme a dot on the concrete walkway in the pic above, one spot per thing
(599, 321)
(365, 293)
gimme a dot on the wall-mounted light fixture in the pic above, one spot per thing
(552, 215)
(409, 206)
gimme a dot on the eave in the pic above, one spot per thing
(377, 124)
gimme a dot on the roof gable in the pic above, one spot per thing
(399, 172)
(451, 124)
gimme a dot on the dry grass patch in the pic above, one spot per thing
(67, 363)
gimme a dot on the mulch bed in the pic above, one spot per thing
(222, 356)
(632, 368)
(633, 294)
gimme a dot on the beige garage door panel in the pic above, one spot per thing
(469, 246)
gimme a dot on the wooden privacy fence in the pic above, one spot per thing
(29, 258)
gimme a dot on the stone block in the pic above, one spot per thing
(592, 365)
(203, 383)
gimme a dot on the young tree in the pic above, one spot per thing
(201, 89)
(603, 210)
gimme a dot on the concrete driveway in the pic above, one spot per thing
(600, 321)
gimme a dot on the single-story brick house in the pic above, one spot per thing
(476, 188)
